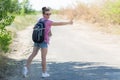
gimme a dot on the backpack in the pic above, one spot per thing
(39, 31)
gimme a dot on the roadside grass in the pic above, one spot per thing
(112, 11)
(105, 17)
(21, 22)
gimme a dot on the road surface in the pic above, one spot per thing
(76, 52)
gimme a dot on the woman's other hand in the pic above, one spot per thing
(71, 22)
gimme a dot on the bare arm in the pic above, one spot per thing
(61, 23)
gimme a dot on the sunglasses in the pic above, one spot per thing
(47, 14)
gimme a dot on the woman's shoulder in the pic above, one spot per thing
(49, 22)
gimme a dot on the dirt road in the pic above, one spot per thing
(76, 52)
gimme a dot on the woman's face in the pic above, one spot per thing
(47, 14)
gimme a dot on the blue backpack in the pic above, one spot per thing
(39, 31)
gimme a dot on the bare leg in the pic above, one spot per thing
(34, 53)
(43, 56)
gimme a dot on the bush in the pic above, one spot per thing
(6, 18)
(5, 36)
(5, 40)
(107, 13)
(112, 11)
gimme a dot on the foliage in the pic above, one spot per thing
(26, 8)
(6, 18)
(8, 10)
(5, 40)
(112, 11)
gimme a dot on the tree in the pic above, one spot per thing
(6, 18)
(26, 7)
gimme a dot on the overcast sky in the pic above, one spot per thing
(56, 4)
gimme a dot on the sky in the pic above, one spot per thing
(56, 4)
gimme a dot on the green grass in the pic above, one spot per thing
(112, 11)
(21, 22)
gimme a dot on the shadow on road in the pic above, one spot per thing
(74, 71)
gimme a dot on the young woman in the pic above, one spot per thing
(44, 45)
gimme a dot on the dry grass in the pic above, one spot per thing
(106, 17)
(22, 22)
(82, 12)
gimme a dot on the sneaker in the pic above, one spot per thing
(45, 74)
(25, 71)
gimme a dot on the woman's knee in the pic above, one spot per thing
(44, 51)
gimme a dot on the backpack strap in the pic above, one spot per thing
(40, 20)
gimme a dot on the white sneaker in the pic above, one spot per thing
(45, 74)
(25, 71)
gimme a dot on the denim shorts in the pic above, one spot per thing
(41, 45)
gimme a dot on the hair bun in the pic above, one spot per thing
(44, 8)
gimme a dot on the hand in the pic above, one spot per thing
(50, 34)
(71, 22)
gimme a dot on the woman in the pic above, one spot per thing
(44, 45)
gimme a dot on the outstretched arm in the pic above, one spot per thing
(62, 23)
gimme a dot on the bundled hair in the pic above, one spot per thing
(44, 9)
